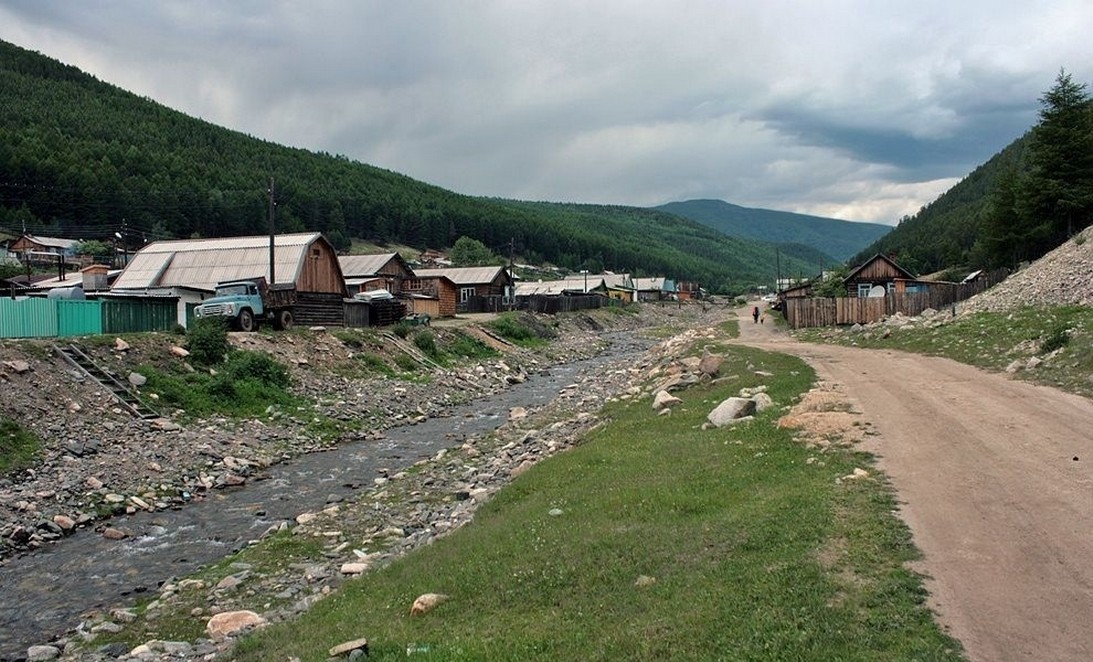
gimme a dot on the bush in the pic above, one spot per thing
(406, 362)
(469, 347)
(207, 340)
(257, 366)
(402, 329)
(1057, 339)
(425, 341)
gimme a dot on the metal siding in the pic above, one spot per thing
(79, 318)
(138, 316)
(28, 318)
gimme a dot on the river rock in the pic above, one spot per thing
(348, 647)
(42, 653)
(65, 522)
(730, 410)
(664, 399)
(229, 623)
(17, 366)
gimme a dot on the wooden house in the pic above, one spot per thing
(435, 296)
(655, 289)
(481, 289)
(880, 275)
(365, 273)
(191, 268)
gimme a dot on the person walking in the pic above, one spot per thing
(755, 314)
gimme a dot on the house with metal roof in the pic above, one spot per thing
(191, 268)
(655, 289)
(364, 273)
(481, 289)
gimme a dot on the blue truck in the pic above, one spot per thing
(248, 302)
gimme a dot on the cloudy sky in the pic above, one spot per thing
(854, 109)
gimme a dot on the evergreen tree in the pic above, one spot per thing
(1057, 196)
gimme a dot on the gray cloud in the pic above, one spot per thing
(849, 108)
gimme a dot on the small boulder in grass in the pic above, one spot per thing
(348, 647)
(426, 603)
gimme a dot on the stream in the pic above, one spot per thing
(42, 595)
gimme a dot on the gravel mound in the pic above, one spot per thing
(1062, 277)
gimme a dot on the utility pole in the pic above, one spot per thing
(777, 270)
(272, 232)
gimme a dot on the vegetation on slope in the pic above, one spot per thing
(832, 237)
(1019, 205)
(79, 156)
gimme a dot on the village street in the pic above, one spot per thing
(995, 480)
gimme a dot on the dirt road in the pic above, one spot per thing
(995, 480)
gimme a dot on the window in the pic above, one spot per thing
(863, 289)
(465, 293)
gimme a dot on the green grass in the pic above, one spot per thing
(18, 447)
(758, 554)
(994, 340)
(513, 328)
(245, 386)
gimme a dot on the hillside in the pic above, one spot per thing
(835, 238)
(84, 159)
(944, 233)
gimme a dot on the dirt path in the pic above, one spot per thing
(995, 478)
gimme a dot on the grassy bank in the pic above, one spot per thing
(18, 448)
(1061, 337)
(654, 540)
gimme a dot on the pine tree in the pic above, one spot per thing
(1057, 195)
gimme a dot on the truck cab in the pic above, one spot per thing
(239, 301)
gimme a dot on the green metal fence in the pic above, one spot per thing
(52, 318)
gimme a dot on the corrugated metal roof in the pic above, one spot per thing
(363, 265)
(202, 263)
(555, 287)
(463, 275)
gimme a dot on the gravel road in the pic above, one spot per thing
(995, 480)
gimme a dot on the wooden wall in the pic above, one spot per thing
(321, 272)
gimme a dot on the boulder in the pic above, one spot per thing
(664, 399)
(762, 401)
(710, 364)
(730, 410)
(229, 623)
(42, 653)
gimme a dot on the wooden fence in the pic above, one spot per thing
(805, 312)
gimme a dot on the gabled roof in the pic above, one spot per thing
(853, 274)
(202, 263)
(52, 242)
(356, 266)
(556, 287)
(657, 284)
(464, 275)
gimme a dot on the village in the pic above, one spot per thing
(165, 283)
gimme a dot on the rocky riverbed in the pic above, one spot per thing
(96, 455)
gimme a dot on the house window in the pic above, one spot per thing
(863, 289)
(891, 285)
(465, 294)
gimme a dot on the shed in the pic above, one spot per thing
(379, 271)
(305, 261)
(436, 296)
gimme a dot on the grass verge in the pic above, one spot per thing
(18, 447)
(751, 546)
(1060, 339)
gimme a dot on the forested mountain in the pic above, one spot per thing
(833, 237)
(80, 158)
(1022, 203)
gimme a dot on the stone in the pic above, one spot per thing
(354, 569)
(42, 653)
(137, 379)
(762, 401)
(230, 623)
(710, 364)
(93, 483)
(180, 352)
(426, 603)
(18, 366)
(348, 647)
(110, 533)
(664, 399)
(644, 580)
(1033, 363)
(518, 413)
(65, 522)
(120, 345)
(730, 411)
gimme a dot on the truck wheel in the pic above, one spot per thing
(245, 321)
(282, 319)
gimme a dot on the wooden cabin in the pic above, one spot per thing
(365, 273)
(435, 296)
(881, 272)
(481, 289)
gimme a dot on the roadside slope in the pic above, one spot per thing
(995, 481)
